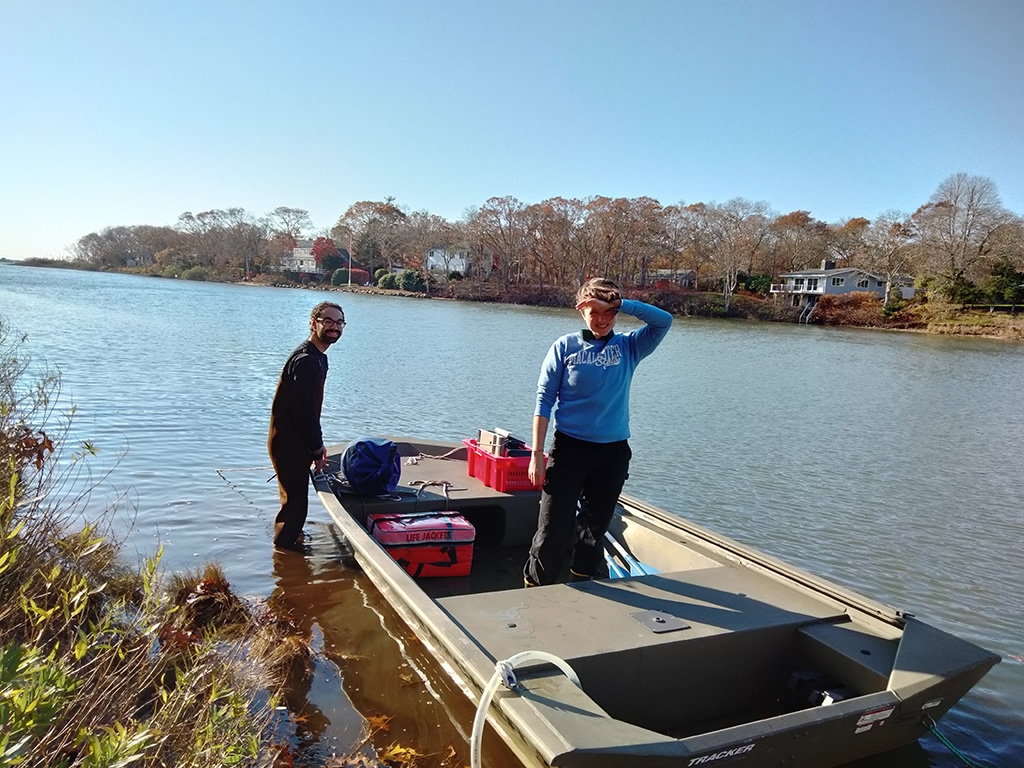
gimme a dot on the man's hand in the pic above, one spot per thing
(320, 458)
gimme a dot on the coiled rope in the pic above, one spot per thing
(504, 673)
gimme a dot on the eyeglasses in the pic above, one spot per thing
(331, 321)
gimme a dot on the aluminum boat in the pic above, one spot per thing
(694, 650)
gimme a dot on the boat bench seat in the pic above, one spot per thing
(850, 653)
(734, 643)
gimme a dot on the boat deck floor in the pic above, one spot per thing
(665, 651)
(493, 606)
(494, 569)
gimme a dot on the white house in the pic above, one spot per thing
(301, 260)
(804, 288)
(440, 259)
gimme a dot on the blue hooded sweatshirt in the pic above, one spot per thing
(589, 378)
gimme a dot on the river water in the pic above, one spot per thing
(890, 463)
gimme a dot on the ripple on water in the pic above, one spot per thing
(892, 464)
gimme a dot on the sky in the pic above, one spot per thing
(125, 113)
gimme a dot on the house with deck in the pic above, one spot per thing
(804, 288)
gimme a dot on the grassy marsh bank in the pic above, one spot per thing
(106, 664)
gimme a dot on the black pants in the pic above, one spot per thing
(291, 462)
(578, 471)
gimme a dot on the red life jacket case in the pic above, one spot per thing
(426, 544)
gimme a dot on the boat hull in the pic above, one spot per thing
(719, 654)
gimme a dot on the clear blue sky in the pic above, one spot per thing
(134, 112)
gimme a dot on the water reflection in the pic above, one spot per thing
(369, 667)
(292, 574)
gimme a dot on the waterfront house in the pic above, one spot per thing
(804, 288)
(300, 259)
(684, 278)
(448, 260)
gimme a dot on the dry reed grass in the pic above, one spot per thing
(101, 665)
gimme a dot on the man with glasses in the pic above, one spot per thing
(295, 442)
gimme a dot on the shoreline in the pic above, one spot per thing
(924, 318)
(1012, 331)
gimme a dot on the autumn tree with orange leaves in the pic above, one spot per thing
(955, 240)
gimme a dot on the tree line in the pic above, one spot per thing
(962, 244)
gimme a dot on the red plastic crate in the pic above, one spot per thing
(502, 473)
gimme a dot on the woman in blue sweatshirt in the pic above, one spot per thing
(587, 374)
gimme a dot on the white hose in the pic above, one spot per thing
(503, 673)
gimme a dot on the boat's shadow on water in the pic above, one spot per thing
(322, 727)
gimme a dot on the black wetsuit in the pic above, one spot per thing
(295, 435)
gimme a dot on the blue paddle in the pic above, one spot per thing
(636, 568)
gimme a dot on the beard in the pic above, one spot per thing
(329, 336)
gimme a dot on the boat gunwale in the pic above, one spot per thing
(774, 566)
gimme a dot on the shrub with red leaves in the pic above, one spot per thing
(857, 308)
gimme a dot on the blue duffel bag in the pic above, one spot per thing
(372, 466)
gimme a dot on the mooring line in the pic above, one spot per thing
(930, 725)
(238, 490)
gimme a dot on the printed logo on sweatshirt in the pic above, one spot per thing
(606, 358)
